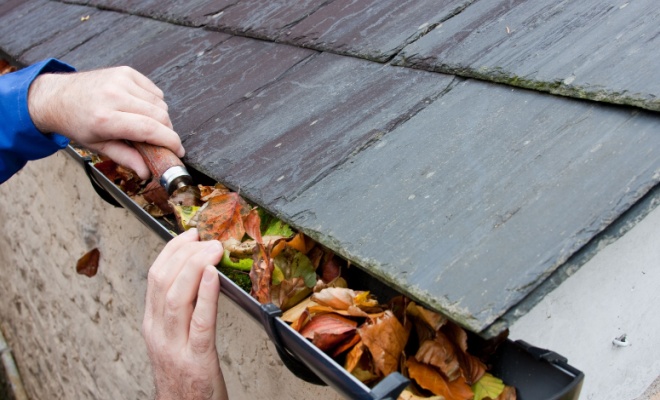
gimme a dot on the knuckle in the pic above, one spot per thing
(101, 117)
(172, 303)
(155, 277)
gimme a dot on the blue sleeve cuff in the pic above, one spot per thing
(20, 140)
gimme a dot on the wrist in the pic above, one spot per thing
(42, 102)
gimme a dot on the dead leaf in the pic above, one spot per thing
(434, 320)
(488, 387)
(385, 338)
(6, 68)
(261, 276)
(222, 218)
(326, 331)
(293, 314)
(89, 263)
(208, 192)
(431, 379)
(509, 393)
(440, 353)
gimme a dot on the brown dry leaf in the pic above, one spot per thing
(385, 338)
(440, 353)
(331, 268)
(337, 298)
(473, 369)
(353, 357)
(222, 218)
(89, 263)
(6, 68)
(434, 320)
(293, 314)
(252, 223)
(346, 345)
(155, 194)
(509, 393)
(126, 179)
(360, 365)
(327, 331)
(207, 192)
(184, 196)
(431, 379)
(261, 276)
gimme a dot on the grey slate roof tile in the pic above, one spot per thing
(600, 50)
(468, 205)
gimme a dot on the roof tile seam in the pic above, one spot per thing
(418, 35)
(555, 88)
(94, 36)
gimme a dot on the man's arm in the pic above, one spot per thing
(20, 140)
(46, 104)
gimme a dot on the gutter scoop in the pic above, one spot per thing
(168, 169)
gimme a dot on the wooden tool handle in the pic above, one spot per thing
(159, 159)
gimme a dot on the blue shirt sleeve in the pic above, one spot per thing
(20, 140)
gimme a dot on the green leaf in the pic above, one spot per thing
(243, 264)
(294, 264)
(271, 226)
(488, 387)
(278, 276)
(184, 214)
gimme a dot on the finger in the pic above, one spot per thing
(137, 105)
(179, 301)
(157, 280)
(124, 155)
(203, 321)
(140, 128)
(147, 96)
(146, 83)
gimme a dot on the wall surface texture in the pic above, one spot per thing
(76, 337)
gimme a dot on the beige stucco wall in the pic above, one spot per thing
(76, 337)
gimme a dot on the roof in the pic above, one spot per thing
(461, 151)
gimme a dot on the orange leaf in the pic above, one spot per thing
(440, 353)
(301, 243)
(385, 338)
(252, 225)
(434, 320)
(89, 263)
(221, 218)
(353, 357)
(431, 379)
(207, 192)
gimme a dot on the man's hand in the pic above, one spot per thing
(180, 320)
(100, 109)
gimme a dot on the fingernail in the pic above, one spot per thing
(209, 274)
(191, 232)
(213, 246)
